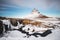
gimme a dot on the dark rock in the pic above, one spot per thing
(14, 22)
(1, 28)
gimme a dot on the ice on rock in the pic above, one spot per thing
(14, 27)
(6, 22)
(28, 27)
(20, 25)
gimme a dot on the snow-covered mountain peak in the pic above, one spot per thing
(35, 14)
(35, 11)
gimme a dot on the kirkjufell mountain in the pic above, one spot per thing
(36, 14)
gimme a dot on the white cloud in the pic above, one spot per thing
(43, 4)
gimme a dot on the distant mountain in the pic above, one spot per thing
(36, 14)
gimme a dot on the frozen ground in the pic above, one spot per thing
(17, 35)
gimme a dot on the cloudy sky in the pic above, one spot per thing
(20, 8)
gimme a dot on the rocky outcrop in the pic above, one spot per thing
(13, 22)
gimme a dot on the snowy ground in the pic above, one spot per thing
(17, 35)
